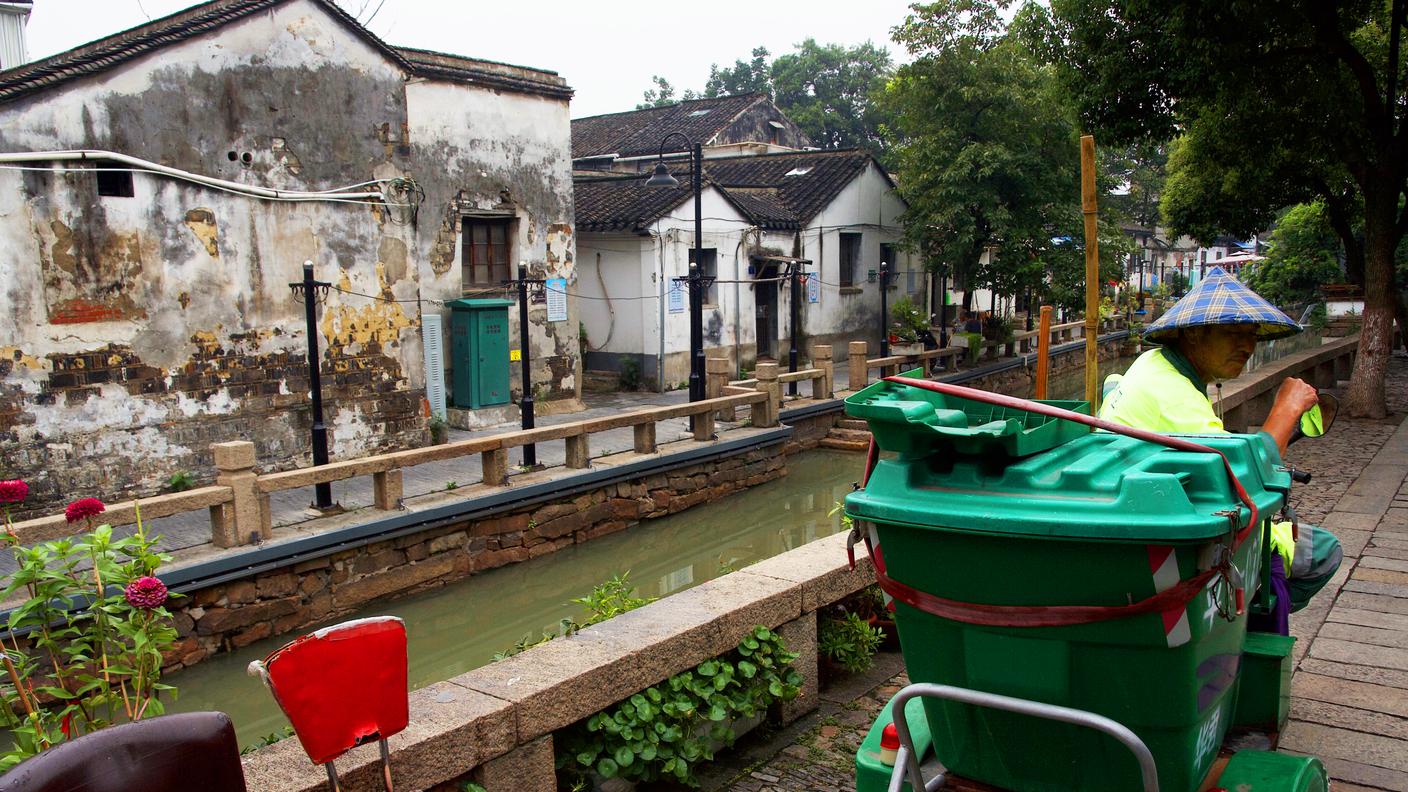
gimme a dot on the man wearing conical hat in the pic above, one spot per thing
(1208, 336)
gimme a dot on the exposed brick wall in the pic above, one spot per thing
(292, 598)
(268, 397)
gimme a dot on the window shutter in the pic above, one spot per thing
(434, 341)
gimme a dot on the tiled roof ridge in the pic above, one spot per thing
(672, 106)
(98, 56)
(476, 71)
(438, 53)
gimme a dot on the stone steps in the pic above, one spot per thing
(844, 445)
(853, 423)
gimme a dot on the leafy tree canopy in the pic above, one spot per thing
(1275, 102)
(1303, 254)
(825, 89)
(986, 150)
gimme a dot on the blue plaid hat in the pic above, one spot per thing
(1220, 299)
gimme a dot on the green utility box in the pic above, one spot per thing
(986, 508)
(479, 352)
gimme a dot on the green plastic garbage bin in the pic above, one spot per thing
(1009, 509)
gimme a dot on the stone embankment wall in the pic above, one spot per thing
(287, 599)
(1021, 379)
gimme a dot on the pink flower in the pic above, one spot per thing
(146, 593)
(13, 491)
(83, 507)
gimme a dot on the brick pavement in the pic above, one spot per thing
(1350, 687)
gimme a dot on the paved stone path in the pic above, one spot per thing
(1350, 689)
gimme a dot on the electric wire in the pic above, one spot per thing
(330, 197)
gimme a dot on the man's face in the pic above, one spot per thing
(1220, 352)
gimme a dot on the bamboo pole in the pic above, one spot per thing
(1092, 273)
(1043, 352)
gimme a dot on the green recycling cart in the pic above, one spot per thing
(980, 505)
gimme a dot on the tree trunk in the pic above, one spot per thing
(1365, 397)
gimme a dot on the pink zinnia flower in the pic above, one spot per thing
(146, 593)
(83, 507)
(13, 491)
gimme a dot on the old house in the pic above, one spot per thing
(162, 187)
(830, 216)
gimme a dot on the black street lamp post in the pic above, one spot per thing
(794, 321)
(884, 310)
(525, 404)
(697, 281)
(311, 290)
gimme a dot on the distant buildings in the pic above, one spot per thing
(770, 206)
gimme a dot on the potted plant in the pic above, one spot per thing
(907, 324)
(846, 644)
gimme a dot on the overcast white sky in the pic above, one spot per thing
(607, 49)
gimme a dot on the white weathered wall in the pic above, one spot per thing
(136, 331)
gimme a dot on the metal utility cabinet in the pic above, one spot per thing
(479, 352)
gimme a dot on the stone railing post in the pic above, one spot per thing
(716, 374)
(821, 359)
(386, 489)
(765, 413)
(645, 438)
(242, 519)
(859, 352)
(579, 454)
(494, 463)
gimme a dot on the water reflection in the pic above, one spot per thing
(459, 627)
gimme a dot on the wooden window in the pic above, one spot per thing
(850, 258)
(484, 252)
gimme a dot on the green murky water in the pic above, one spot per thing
(460, 626)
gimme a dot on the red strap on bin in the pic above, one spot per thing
(1052, 615)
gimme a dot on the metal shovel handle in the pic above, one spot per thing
(907, 759)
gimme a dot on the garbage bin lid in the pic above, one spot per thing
(1098, 487)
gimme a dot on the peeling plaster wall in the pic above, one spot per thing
(139, 330)
(503, 154)
(753, 125)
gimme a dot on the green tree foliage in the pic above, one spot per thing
(986, 150)
(745, 77)
(662, 95)
(1135, 180)
(826, 89)
(1278, 102)
(1303, 255)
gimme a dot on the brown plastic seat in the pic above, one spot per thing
(172, 753)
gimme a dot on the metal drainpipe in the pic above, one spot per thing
(664, 296)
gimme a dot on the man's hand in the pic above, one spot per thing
(1293, 399)
(1295, 396)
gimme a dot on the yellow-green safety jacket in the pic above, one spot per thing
(1162, 392)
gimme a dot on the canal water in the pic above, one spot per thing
(461, 626)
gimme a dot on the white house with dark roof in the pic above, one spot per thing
(145, 309)
(834, 214)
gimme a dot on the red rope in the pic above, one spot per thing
(1053, 615)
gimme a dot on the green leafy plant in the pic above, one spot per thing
(84, 650)
(181, 481)
(664, 731)
(449, 485)
(848, 641)
(611, 598)
(470, 786)
(267, 740)
(629, 376)
(975, 347)
(908, 321)
(439, 430)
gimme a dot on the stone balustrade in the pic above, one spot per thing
(495, 723)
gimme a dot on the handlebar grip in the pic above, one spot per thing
(1300, 476)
